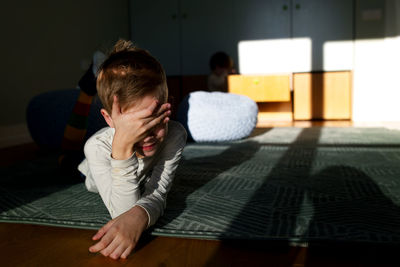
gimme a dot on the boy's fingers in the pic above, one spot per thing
(116, 109)
(118, 251)
(163, 114)
(147, 112)
(99, 234)
(127, 251)
(163, 108)
(103, 230)
(153, 105)
(111, 247)
(103, 243)
(158, 120)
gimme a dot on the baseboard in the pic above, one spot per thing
(12, 135)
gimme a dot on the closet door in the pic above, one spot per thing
(206, 28)
(329, 26)
(262, 35)
(261, 20)
(155, 27)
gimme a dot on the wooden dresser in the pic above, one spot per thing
(315, 95)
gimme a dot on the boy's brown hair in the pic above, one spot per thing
(130, 73)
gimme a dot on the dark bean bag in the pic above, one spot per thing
(48, 113)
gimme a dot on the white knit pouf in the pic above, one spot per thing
(217, 116)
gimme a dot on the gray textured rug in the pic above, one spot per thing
(295, 184)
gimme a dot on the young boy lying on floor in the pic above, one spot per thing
(131, 163)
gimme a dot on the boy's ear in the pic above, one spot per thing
(107, 117)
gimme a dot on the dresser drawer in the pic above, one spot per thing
(322, 95)
(271, 88)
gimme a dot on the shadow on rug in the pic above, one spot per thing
(289, 184)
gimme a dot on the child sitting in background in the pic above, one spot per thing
(131, 163)
(221, 64)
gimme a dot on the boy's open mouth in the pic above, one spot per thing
(148, 147)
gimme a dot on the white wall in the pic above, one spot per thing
(376, 88)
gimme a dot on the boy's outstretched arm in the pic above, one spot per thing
(120, 235)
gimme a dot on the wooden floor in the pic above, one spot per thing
(34, 245)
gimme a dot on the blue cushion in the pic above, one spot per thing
(48, 113)
(217, 116)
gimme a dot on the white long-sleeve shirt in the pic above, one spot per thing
(123, 184)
